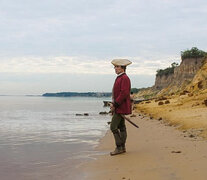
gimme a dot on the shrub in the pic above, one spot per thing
(135, 90)
(194, 52)
(167, 71)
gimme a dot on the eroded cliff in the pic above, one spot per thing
(190, 75)
(182, 74)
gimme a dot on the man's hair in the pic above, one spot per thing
(123, 67)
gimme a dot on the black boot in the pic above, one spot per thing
(117, 151)
(123, 135)
(123, 148)
(118, 142)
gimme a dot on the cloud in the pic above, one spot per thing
(100, 28)
(80, 65)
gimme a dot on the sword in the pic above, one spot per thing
(126, 118)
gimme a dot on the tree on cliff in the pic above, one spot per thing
(194, 52)
(167, 71)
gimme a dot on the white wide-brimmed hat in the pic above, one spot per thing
(121, 62)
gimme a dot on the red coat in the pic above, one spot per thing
(121, 94)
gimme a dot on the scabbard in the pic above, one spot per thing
(126, 118)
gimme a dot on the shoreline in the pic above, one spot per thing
(154, 151)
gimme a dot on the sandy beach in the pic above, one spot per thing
(186, 112)
(154, 151)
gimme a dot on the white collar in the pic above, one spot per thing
(120, 74)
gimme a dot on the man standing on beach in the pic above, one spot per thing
(121, 105)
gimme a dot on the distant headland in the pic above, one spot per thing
(85, 94)
(78, 94)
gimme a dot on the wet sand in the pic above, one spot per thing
(154, 151)
(47, 164)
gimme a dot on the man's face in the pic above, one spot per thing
(118, 69)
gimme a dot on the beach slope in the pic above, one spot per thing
(154, 151)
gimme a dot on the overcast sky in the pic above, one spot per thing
(67, 45)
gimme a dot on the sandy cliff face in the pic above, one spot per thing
(199, 81)
(187, 70)
(182, 76)
(190, 75)
(163, 81)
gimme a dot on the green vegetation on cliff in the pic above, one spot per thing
(167, 71)
(194, 52)
(135, 90)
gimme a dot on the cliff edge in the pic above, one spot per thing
(190, 75)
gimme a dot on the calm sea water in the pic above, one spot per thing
(42, 138)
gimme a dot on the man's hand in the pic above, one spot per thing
(112, 107)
